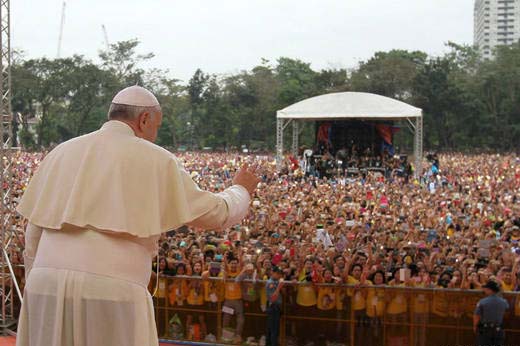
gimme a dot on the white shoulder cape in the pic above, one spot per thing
(111, 180)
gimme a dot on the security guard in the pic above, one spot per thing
(487, 320)
(274, 302)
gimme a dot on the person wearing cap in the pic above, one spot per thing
(515, 235)
(96, 208)
(488, 316)
(274, 303)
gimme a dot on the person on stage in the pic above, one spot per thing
(96, 208)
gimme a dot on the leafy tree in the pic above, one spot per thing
(122, 61)
(468, 102)
(297, 81)
(389, 73)
(499, 89)
(332, 80)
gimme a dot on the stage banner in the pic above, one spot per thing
(386, 132)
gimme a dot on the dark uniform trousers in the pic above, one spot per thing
(273, 324)
(490, 335)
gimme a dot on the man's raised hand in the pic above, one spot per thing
(247, 177)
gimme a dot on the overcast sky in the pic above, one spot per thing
(226, 36)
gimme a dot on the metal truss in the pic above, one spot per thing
(279, 143)
(8, 233)
(295, 137)
(418, 146)
(9, 244)
(5, 75)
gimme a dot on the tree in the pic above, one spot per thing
(174, 104)
(499, 88)
(196, 89)
(68, 95)
(332, 80)
(443, 88)
(122, 60)
(389, 73)
(297, 81)
(468, 103)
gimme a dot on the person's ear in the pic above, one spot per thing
(143, 118)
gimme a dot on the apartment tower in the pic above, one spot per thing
(496, 22)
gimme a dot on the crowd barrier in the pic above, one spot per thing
(191, 309)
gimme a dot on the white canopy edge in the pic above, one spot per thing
(349, 105)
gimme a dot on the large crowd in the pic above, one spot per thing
(18, 169)
(456, 226)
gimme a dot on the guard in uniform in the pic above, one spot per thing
(274, 303)
(489, 313)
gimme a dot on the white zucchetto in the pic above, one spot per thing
(136, 96)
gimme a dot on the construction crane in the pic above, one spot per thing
(105, 35)
(61, 29)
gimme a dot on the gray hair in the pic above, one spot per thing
(127, 112)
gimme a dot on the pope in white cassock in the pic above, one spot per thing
(96, 208)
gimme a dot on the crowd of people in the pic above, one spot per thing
(455, 227)
(18, 169)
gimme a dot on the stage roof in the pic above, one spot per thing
(349, 105)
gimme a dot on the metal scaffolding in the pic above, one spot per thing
(8, 283)
(295, 137)
(281, 124)
(5, 75)
(418, 146)
(279, 143)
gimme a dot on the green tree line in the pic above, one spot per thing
(468, 102)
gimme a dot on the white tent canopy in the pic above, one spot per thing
(349, 105)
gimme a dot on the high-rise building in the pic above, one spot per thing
(496, 22)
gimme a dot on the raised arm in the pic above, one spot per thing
(232, 204)
(348, 266)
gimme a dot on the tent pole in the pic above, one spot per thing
(295, 134)
(418, 146)
(279, 143)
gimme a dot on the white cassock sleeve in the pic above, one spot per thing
(231, 209)
(32, 239)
